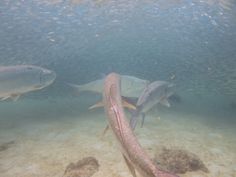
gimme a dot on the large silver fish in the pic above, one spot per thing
(130, 86)
(19, 79)
(156, 92)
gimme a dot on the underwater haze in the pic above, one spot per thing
(190, 43)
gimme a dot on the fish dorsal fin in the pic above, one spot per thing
(165, 102)
(125, 104)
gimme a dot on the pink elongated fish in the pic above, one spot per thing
(134, 155)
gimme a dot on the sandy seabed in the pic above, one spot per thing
(44, 148)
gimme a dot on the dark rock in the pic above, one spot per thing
(83, 168)
(6, 145)
(178, 161)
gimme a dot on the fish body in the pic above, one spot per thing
(156, 92)
(19, 79)
(130, 86)
(134, 155)
(93, 86)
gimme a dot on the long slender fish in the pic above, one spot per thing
(134, 155)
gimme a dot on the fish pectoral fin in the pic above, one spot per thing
(130, 166)
(105, 130)
(125, 104)
(5, 98)
(97, 105)
(15, 97)
(128, 105)
(165, 102)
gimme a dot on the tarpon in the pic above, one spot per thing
(19, 79)
(130, 86)
(156, 92)
(134, 155)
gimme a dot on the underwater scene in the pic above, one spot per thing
(117, 88)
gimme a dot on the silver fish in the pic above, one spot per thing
(130, 86)
(156, 92)
(19, 79)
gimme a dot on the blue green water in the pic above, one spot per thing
(191, 41)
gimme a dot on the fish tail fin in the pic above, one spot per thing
(125, 104)
(77, 88)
